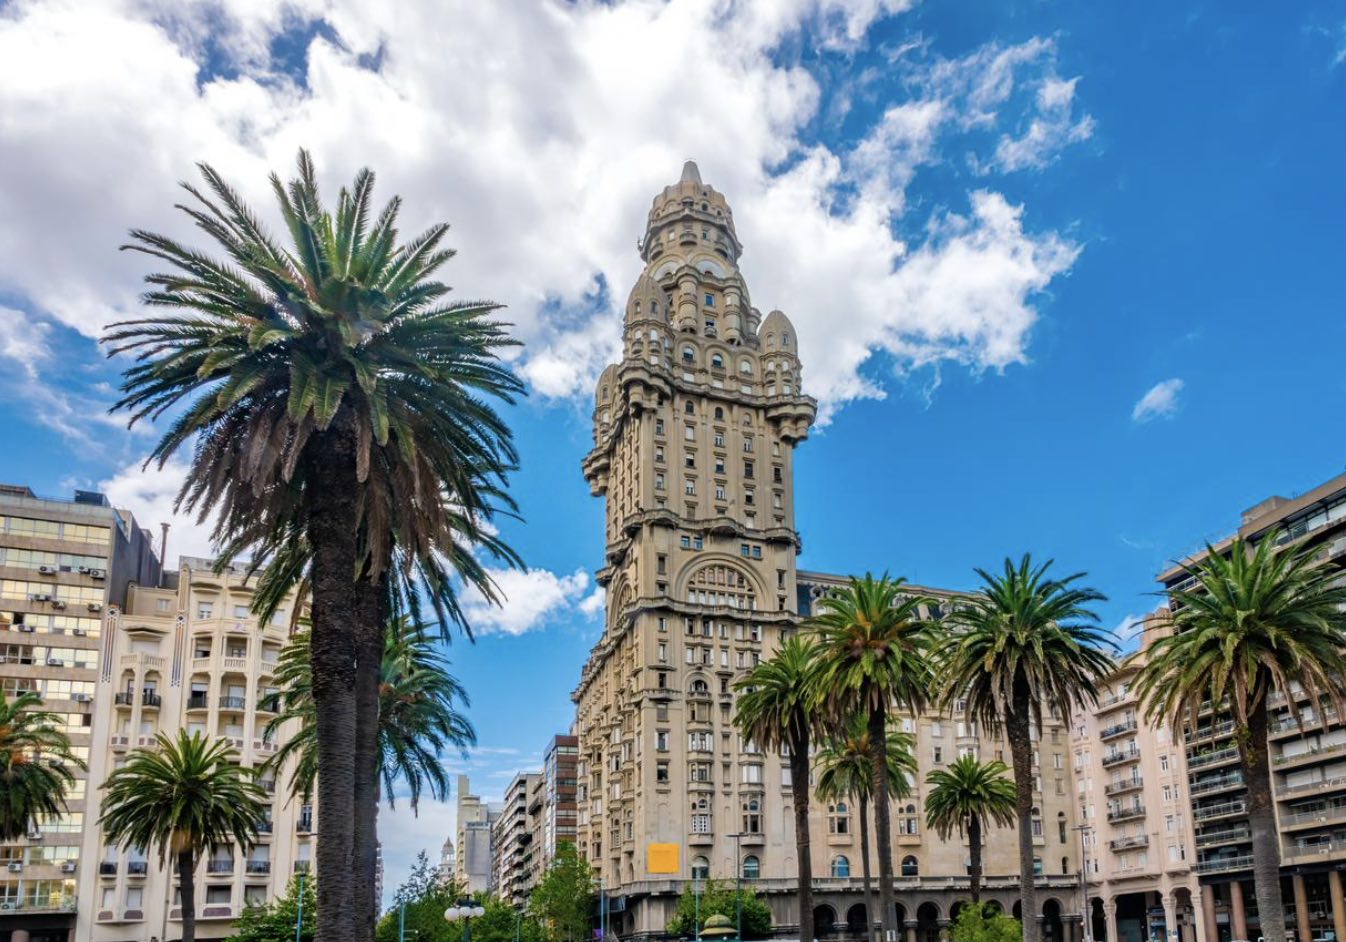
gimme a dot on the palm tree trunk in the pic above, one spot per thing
(864, 864)
(187, 885)
(370, 633)
(1021, 755)
(878, 740)
(974, 845)
(1253, 756)
(799, 788)
(335, 611)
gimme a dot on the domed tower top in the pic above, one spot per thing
(646, 301)
(688, 216)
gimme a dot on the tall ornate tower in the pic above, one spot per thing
(694, 435)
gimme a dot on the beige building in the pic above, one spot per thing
(64, 564)
(474, 860)
(1308, 767)
(1140, 849)
(188, 655)
(694, 438)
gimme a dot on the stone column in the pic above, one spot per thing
(1203, 906)
(910, 926)
(19, 935)
(1301, 908)
(1237, 917)
(1110, 920)
(943, 925)
(1170, 919)
(1338, 904)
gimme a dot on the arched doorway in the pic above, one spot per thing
(1052, 928)
(857, 921)
(1017, 911)
(824, 920)
(1098, 920)
(927, 923)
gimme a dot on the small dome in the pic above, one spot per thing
(607, 386)
(690, 173)
(778, 334)
(646, 300)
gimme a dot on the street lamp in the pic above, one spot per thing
(464, 912)
(1086, 923)
(738, 887)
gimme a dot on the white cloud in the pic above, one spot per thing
(530, 599)
(592, 605)
(1048, 132)
(1160, 402)
(1129, 629)
(149, 494)
(545, 161)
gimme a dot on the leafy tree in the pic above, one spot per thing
(182, 797)
(35, 764)
(421, 900)
(873, 651)
(719, 898)
(274, 921)
(339, 414)
(978, 922)
(965, 796)
(1253, 621)
(1025, 640)
(563, 900)
(420, 714)
(774, 711)
(845, 766)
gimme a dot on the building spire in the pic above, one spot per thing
(690, 174)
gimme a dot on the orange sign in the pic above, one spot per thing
(662, 858)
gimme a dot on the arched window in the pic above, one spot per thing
(689, 408)
(699, 686)
(719, 414)
(723, 586)
(910, 868)
(700, 868)
(752, 816)
(1065, 866)
(717, 361)
(745, 367)
(841, 867)
(752, 867)
(1061, 827)
(1036, 822)
(688, 355)
(771, 341)
(1037, 866)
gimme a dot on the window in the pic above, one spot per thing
(659, 454)
(689, 432)
(689, 408)
(907, 822)
(204, 609)
(752, 816)
(752, 867)
(1037, 823)
(747, 444)
(719, 414)
(240, 611)
(716, 361)
(658, 426)
(749, 496)
(1163, 763)
(1061, 827)
(689, 487)
(661, 740)
(720, 492)
(663, 653)
(910, 868)
(841, 867)
(686, 542)
(838, 818)
(710, 300)
(688, 355)
(719, 439)
(661, 772)
(747, 469)
(700, 868)
(752, 774)
(1037, 866)
(689, 460)
(661, 564)
(937, 755)
(745, 367)
(658, 482)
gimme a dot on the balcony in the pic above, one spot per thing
(1125, 785)
(258, 866)
(265, 827)
(107, 868)
(1117, 699)
(137, 868)
(217, 867)
(124, 699)
(1309, 788)
(1126, 814)
(1310, 755)
(1236, 835)
(304, 825)
(1117, 729)
(150, 700)
(233, 703)
(235, 663)
(1224, 864)
(1223, 810)
(1211, 732)
(198, 701)
(268, 786)
(1213, 757)
(1288, 727)
(302, 866)
(1331, 814)
(1299, 853)
(1121, 755)
(1127, 843)
(1211, 785)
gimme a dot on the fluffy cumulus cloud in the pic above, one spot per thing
(529, 600)
(541, 130)
(150, 493)
(1160, 402)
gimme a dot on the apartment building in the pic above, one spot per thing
(1308, 764)
(1131, 780)
(475, 860)
(64, 565)
(515, 839)
(694, 438)
(188, 655)
(559, 810)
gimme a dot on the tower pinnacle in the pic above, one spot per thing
(690, 173)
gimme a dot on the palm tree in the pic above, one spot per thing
(846, 771)
(35, 764)
(330, 394)
(1253, 621)
(965, 796)
(873, 653)
(1024, 640)
(419, 715)
(774, 712)
(183, 797)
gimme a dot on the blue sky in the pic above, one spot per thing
(1067, 277)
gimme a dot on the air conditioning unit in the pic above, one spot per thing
(95, 606)
(55, 662)
(26, 629)
(84, 570)
(98, 573)
(47, 570)
(80, 633)
(69, 867)
(34, 835)
(80, 697)
(16, 867)
(57, 603)
(40, 597)
(8, 907)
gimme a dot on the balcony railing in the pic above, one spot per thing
(1224, 864)
(107, 868)
(219, 866)
(1121, 755)
(1125, 785)
(1324, 815)
(1310, 755)
(1117, 729)
(1297, 852)
(1210, 732)
(1215, 784)
(233, 703)
(1211, 758)
(1329, 784)
(151, 699)
(1126, 843)
(197, 701)
(1223, 836)
(137, 868)
(1220, 810)
(259, 866)
(124, 699)
(301, 866)
(1125, 814)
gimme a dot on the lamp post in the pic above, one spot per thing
(696, 907)
(738, 886)
(1086, 930)
(299, 918)
(464, 912)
